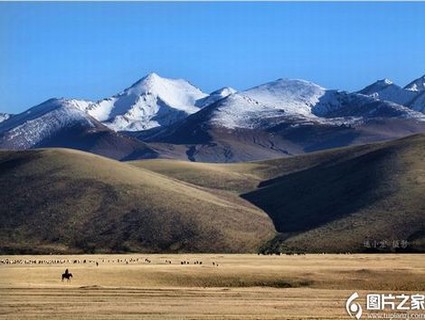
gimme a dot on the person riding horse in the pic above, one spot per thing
(67, 275)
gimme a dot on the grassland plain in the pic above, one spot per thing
(242, 286)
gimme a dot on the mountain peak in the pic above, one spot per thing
(416, 85)
(151, 78)
(225, 91)
(152, 75)
(153, 83)
(4, 116)
(293, 82)
(44, 121)
(215, 96)
(385, 81)
(150, 102)
(295, 97)
(382, 83)
(376, 88)
(146, 83)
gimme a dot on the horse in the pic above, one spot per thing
(66, 275)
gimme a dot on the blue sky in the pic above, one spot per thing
(93, 50)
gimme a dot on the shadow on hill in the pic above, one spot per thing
(304, 200)
(14, 163)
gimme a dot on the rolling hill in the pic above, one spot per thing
(59, 200)
(329, 201)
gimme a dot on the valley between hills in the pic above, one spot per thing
(66, 201)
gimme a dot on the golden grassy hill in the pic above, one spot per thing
(245, 176)
(375, 195)
(71, 201)
(327, 201)
(59, 200)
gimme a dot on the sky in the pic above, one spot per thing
(92, 50)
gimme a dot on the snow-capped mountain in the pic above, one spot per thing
(239, 111)
(286, 117)
(30, 128)
(386, 90)
(411, 96)
(256, 107)
(4, 116)
(63, 123)
(302, 101)
(294, 97)
(282, 117)
(215, 96)
(417, 85)
(150, 102)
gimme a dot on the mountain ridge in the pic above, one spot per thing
(62, 123)
(281, 117)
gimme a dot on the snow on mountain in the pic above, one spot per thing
(417, 85)
(302, 102)
(150, 102)
(27, 129)
(294, 97)
(215, 96)
(155, 102)
(363, 107)
(239, 111)
(4, 116)
(386, 90)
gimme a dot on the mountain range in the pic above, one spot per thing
(171, 118)
(412, 95)
(296, 196)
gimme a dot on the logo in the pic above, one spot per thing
(354, 309)
(400, 305)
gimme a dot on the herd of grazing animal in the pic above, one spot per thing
(68, 276)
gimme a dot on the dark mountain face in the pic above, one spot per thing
(346, 196)
(101, 141)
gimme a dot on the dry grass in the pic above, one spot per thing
(246, 176)
(230, 177)
(241, 287)
(85, 203)
(329, 201)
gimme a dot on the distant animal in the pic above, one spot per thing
(67, 275)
